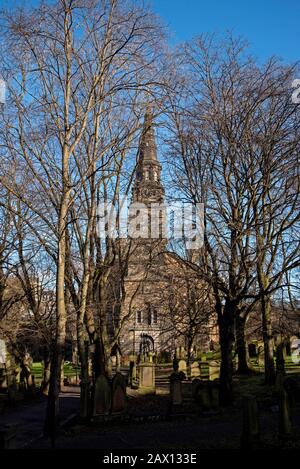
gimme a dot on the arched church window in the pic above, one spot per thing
(155, 316)
(155, 176)
(149, 317)
(139, 317)
(146, 175)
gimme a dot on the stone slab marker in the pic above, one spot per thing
(182, 366)
(214, 370)
(147, 378)
(176, 389)
(195, 370)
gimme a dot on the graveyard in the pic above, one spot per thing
(172, 405)
(149, 225)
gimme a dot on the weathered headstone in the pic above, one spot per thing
(118, 394)
(214, 370)
(196, 385)
(176, 389)
(195, 370)
(182, 366)
(102, 396)
(147, 378)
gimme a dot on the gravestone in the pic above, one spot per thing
(196, 389)
(102, 396)
(176, 389)
(195, 370)
(119, 401)
(132, 374)
(182, 366)
(214, 370)
(147, 378)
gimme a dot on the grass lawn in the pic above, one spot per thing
(37, 370)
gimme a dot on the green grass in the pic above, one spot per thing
(37, 370)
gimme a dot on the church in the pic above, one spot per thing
(164, 304)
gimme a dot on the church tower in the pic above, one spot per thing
(147, 187)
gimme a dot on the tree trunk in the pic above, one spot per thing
(270, 373)
(52, 412)
(241, 346)
(118, 361)
(11, 377)
(85, 381)
(226, 330)
(46, 372)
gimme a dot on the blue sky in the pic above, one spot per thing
(272, 27)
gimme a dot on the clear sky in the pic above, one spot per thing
(272, 27)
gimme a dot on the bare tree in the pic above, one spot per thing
(219, 111)
(64, 83)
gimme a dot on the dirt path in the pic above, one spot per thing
(29, 417)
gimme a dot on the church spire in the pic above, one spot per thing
(147, 187)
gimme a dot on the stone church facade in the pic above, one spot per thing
(153, 273)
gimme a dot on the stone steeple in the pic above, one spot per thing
(147, 187)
